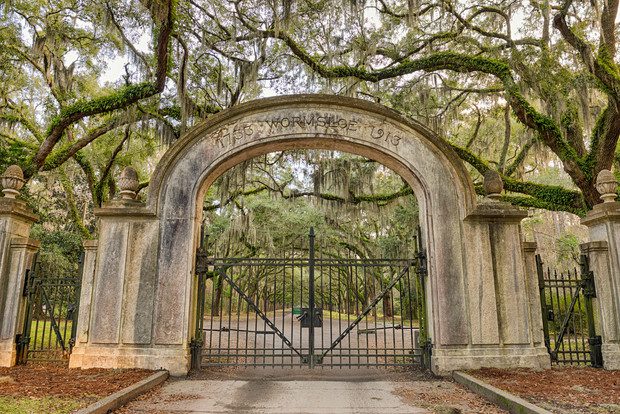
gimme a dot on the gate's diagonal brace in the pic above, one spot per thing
(569, 313)
(366, 311)
(50, 310)
(222, 273)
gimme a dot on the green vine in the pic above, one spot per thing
(117, 99)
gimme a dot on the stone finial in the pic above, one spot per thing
(128, 184)
(493, 184)
(606, 185)
(12, 181)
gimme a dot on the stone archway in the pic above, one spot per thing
(137, 291)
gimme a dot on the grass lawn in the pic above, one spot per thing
(42, 332)
(30, 405)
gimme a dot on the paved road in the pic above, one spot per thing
(230, 396)
(296, 392)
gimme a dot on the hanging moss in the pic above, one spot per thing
(173, 111)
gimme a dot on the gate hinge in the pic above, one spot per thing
(196, 343)
(422, 269)
(22, 341)
(587, 278)
(596, 353)
(202, 262)
(587, 284)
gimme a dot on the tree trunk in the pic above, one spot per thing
(388, 309)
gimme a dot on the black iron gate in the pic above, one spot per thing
(50, 322)
(310, 307)
(568, 316)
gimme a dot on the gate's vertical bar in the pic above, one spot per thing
(284, 261)
(343, 298)
(589, 292)
(330, 310)
(401, 307)
(311, 298)
(321, 296)
(238, 358)
(355, 275)
(579, 356)
(251, 278)
(273, 343)
(393, 271)
(230, 332)
(566, 316)
(554, 305)
(543, 301)
(424, 341)
(24, 340)
(293, 303)
(412, 292)
(201, 269)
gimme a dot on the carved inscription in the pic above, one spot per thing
(234, 134)
(231, 135)
(313, 121)
(379, 133)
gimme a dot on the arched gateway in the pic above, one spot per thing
(138, 292)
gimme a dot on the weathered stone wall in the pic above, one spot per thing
(604, 255)
(16, 254)
(142, 301)
(116, 319)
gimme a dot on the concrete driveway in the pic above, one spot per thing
(337, 391)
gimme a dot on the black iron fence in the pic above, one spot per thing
(568, 315)
(50, 323)
(309, 307)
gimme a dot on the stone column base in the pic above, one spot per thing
(444, 361)
(8, 354)
(174, 359)
(611, 356)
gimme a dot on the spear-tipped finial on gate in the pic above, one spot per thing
(12, 181)
(129, 184)
(606, 185)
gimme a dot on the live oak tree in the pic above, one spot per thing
(554, 63)
(52, 105)
(520, 87)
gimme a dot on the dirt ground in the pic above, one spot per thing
(567, 390)
(445, 397)
(42, 381)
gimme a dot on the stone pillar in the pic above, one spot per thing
(533, 292)
(16, 253)
(603, 250)
(116, 320)
(86, 290)
(503, 301)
